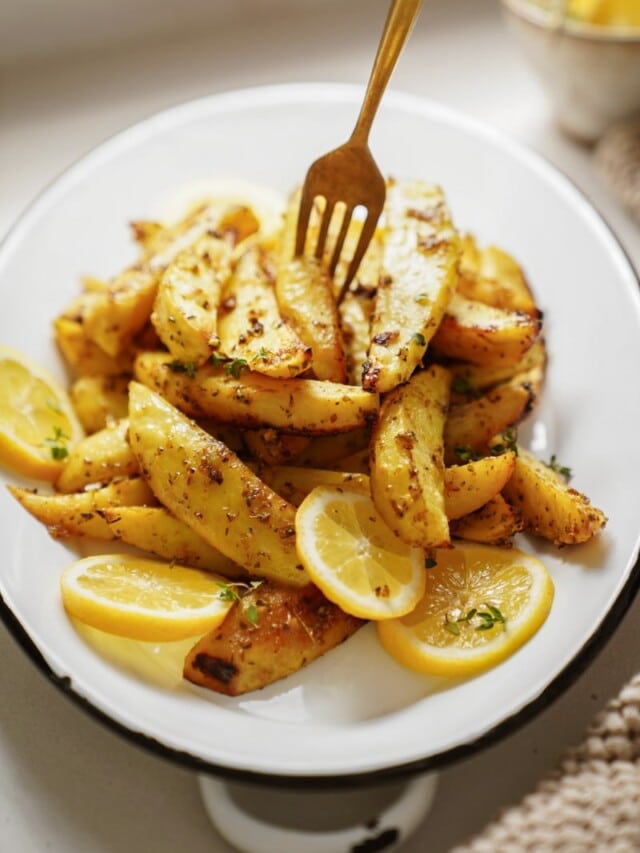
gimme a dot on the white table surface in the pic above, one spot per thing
(66, 782)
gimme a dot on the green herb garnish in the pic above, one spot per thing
(461, 385)
(58, 444)
(188, 367)
(261, 354)
(234, 368)
(509, 442)
(419, 339)
(558, 468)
(430, 563)
(235, 591)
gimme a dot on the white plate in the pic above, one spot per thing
(355, 713)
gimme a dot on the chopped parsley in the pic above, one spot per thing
(466, 453)
(58, 444)
(509, 442)
(188, 367)
(261, 354)
(461, 385)
(419, 339)
(235, 591)
(430, 563)
(559, 469)
(234, 368)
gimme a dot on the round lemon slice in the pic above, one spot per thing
(480, 605)
(354, 558)
(144, 599)
(38, 425)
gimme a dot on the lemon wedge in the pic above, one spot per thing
(144, 599)
(38, 425)
(353, 557)
(607, 13)
(480, 605)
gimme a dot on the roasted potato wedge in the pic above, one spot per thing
(99, 458)
(250, 326)
(206, 486)
(294, 483)
(418, 276)
(325, 451)
(355, 318)
(549, 506)
(116, 314)
(481, 334)
(294, 627)
(492, 276)
(471, 427)
(185, 311)
(496, 523)
(407, 467)
(304, 291)
(79, 514)
(251, 400)
(155, 529)
(84, 356)
(468, 487)
(472, 378)
(100, 400)
(272, 447)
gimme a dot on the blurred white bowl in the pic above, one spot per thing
(591, 74)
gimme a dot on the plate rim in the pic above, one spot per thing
(560, 682)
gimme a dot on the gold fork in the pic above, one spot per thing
(349, 174)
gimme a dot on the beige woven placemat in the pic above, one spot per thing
(591, 802)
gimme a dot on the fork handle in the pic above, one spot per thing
(400, 20)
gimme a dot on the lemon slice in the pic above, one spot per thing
(144, 599)
(38, 425)
(354, 558)
(479, 606)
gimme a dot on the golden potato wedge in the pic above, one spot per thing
(492, 276)
(250, 326)
(481, 334)
(206, 486)
(185, 310)
(357, 463)
(418, 276)
(304, 290)
(470, 427)
(145, 232)
(116, 314)
(250, 400)
(293, 628)
(355, 318)
(468, 487)
(324, 451)
(155, 529)
(549, 506)
(99, 458)
(100, 400)
(79, 514)
(496, 523)
(472, 378)
(272, 447)
(84, 356)
(294, 483)
(407, 467)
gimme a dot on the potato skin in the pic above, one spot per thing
(406, 458)
(204, 484)
(295, 626)
(305, 406)
(549, 507)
